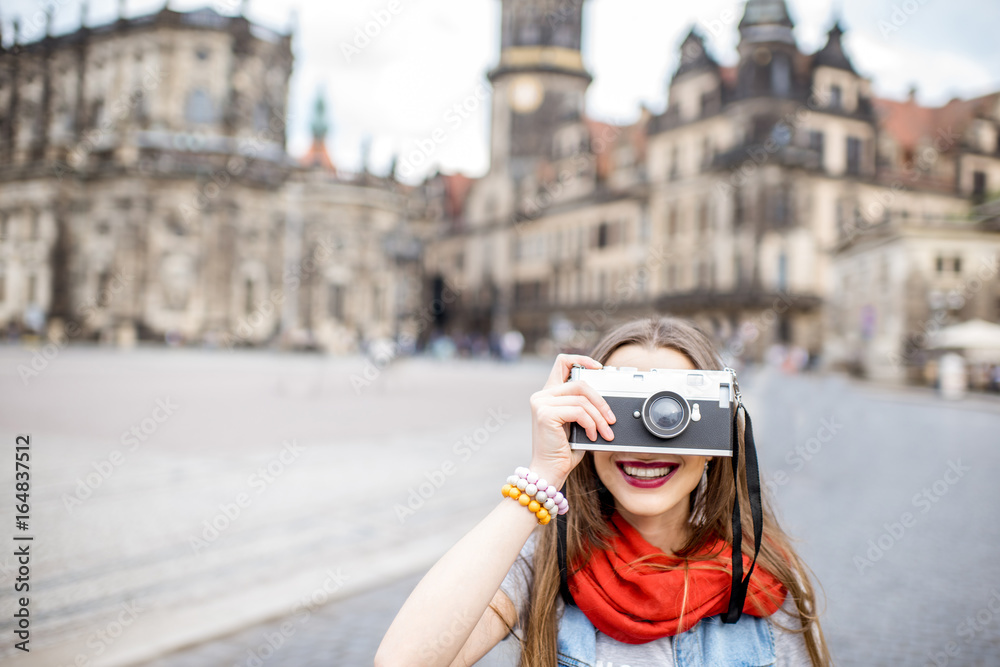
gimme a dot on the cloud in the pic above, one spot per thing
(939, 74)
(434, 52)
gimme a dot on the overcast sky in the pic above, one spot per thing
(434, 54)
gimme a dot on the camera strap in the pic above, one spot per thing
(564, 591)
(738, 592)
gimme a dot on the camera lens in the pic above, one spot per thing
(666, 413)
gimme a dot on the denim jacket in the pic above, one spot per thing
(710, 643)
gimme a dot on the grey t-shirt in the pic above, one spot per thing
(789, 647)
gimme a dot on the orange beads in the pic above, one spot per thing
(529, 496)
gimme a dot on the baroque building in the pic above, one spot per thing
(146, 191)
(749, 204)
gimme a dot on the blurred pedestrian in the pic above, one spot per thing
(511, 344)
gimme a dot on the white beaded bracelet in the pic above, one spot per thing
(544, 493)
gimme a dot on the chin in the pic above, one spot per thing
(646, 507)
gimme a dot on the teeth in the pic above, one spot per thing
(647, 473)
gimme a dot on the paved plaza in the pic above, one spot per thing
(197, 507)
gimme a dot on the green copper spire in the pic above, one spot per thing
(320, 126)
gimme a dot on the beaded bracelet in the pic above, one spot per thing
(542, 499)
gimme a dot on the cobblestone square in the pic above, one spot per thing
(261, 509)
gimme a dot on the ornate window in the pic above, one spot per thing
(853, 155)
(836, 97)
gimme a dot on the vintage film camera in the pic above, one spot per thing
(663, 410)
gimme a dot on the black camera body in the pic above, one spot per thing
(663, 410)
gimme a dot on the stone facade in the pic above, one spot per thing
(145, 191)
(746, 205)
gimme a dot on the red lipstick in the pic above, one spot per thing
(647, 474)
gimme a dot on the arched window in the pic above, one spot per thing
(248, 294)
(781, 75)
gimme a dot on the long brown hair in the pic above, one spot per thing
(709, 519)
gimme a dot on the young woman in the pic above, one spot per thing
(649, 548)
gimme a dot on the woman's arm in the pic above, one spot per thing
(447, 617)
(449, 608)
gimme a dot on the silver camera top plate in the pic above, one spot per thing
(697, 385)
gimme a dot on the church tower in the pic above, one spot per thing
(767, 50)
(540, 82)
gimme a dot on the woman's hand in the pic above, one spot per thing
(554, 408)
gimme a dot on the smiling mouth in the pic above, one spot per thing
(643, 471)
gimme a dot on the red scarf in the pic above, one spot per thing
(638, 604)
